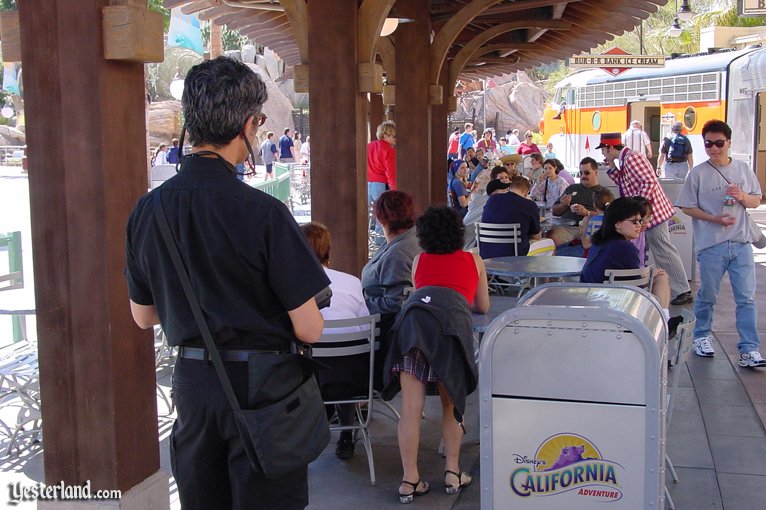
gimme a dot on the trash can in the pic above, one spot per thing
(572, 382)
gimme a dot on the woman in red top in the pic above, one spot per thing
(528, 146)
(443, 263)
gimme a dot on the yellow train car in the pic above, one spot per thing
(728, 85)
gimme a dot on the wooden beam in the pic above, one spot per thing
(10, 33)
(297, 12)
(459, 61)
(443, 41)
(132, 33)
(372, 14)
(97, 372)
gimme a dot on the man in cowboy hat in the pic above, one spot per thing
(635, 177)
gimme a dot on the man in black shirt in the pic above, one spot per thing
(253, 274)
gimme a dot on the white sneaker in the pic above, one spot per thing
(751, 359)
(702, 347)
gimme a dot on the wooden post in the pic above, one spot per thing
(377, 114)
(413, 110)
(338, 170)
(97, 376)
(439, 137)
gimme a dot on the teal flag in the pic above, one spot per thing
(10, 78)
(185, 31)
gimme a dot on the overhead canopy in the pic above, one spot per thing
(478, 38)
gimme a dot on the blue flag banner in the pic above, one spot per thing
(185, 31)
(10, 78)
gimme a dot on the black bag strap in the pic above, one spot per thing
(719, 171)
(183, 276)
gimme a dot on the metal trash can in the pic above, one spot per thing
(572, 384)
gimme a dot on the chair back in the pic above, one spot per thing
(502, 233)
(542, 248)
(679, 349)
(642, 277)
(162, 173)
(350, 337)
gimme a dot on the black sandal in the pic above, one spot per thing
(463, 480)
(407, 498)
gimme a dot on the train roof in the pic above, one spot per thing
(691, 64)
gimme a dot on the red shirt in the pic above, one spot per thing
(636, 177)
(525, 149)
(381, 163)
(454, 140)
(456, 271)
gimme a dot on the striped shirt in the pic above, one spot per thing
(636, 139)
(636, 177)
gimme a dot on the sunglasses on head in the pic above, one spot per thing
(717, 143)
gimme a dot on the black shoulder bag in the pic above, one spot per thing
(285, 427)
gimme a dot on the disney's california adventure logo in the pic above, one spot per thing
(564, 463)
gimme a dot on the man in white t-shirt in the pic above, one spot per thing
(717, 194)
(635, 138)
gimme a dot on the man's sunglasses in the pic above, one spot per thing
(717, 143)
(585, 173)
(510, 163)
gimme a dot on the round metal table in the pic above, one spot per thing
(535, 267)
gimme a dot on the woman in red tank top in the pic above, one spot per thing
(443, 263)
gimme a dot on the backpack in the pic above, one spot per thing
(677, 147)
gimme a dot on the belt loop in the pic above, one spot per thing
(206, 356)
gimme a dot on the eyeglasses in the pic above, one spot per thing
(717, 143)
(510, 163)
(585, 173)
(261, 119)
(636, 221)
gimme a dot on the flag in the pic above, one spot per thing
(185, 31)
(10, 78)
(587, 144)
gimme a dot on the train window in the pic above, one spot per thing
(690, 117)
(596, 121)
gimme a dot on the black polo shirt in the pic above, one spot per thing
(247, 259)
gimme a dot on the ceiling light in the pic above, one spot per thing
(685, 13)
(675, 28)
(390, 24)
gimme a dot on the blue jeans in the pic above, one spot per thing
(736, 259)
(374, 190)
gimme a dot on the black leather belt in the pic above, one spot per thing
(200, 354)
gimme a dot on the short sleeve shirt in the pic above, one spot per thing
(248, 261)
(510, 208)
(580, 195)
(285, 142)
(268, 151)
(705, 188)
(613, 254)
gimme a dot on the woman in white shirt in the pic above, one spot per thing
(348, 375)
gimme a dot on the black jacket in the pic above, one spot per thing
(436, 320)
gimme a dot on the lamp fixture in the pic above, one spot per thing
(177, 86)
(390, 24)
(8, 111)
(685, 13)
(675, 28)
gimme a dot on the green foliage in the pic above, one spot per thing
(231, 39)
(159, 6)
(8, 5)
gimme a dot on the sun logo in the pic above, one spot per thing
(564, 463)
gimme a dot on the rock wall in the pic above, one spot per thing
(514, 100)
(164, 120)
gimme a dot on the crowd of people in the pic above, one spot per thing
(424, 280)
